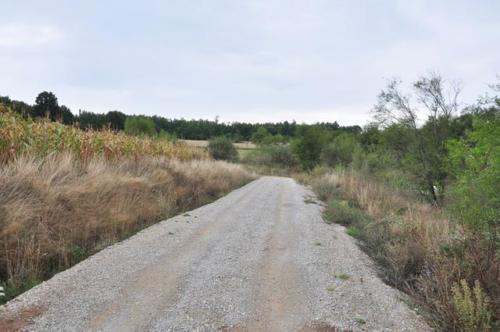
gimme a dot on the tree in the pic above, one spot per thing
(65, 115)
(90, 120)
(116, 120)
(427, 152)
(46, 105)
(140, 125)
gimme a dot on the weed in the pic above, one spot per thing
(353, 231)
(317, 243)
(341, 213)
(360, 321)
(343, 276)
(472, 307)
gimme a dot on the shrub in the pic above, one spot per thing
(308, 145)
(221, 148)
(340, 151)
(476, 164)
(272, 155)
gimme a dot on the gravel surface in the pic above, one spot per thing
(258, 259)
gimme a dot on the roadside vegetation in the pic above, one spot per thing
(419, 188)
(67, 193)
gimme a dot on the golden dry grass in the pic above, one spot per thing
(204, 144)
(56, 210)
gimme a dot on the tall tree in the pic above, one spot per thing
(427, 153)
(46, 105)
(116, 120)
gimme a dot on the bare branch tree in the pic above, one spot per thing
(394, 107)
(440, 102)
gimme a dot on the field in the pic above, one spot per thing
(243, 148)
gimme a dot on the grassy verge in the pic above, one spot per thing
(66, 194)
(420, 250)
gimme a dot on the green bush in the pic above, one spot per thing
(221, 148)
(272, 155)
(476, 165)
(308, 145)
(140, 125)
(340, 151)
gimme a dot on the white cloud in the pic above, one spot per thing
(21, 35)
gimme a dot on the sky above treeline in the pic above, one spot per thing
(251, 61)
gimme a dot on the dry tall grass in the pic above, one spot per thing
(54, 211)
(65, 193)
(421, 250)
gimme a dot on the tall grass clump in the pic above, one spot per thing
(421, 250)
(65, 194)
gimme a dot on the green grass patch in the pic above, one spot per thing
(342, 276)
(341, 212)
(360, 321)
(353, 231)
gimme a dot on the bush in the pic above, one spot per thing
(340, 151)
(272, 155)
(476, 164)
(221, 148)
(140, 125)
(308, 145)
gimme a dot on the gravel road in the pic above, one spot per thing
(258, 259)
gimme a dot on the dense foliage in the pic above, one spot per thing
(47, 105)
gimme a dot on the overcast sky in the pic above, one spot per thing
(254, 60)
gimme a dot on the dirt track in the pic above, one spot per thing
(259, 259)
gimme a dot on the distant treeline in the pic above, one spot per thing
(46, 105)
